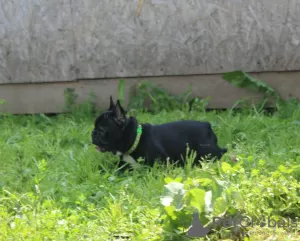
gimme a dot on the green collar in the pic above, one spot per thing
(137, 139)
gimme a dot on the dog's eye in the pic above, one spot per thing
(103, 132)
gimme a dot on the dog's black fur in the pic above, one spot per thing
(115, 132)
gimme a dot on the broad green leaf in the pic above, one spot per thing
(254, 172)
(283, 169)
(189, 182)
(226, 167)
(238, 198)
(220, 206)
(250, 158)
(261, 162)
(205, 181)
(197, 198)
(217, 188)
(169, 180)
(243, 80)
(170, 210)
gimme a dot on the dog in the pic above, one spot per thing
(120, 135)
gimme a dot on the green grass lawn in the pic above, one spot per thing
(55, 186)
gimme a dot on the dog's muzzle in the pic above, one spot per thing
(96, 140)
(94, 137)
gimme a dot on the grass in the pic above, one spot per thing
(55, 186)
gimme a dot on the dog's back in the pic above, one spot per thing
(172, 139)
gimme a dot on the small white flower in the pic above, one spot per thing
(12, 225)
(61, 222)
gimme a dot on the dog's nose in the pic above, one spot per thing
(93, 135)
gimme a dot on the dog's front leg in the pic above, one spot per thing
(122, 165)
(150, 160)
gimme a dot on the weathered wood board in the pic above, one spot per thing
(175, 37)
(36, 41)
(63, 40)
(49, 97)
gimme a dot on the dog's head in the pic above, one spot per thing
(109, 127)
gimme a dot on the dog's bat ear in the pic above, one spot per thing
(120, 113)
(111, 105)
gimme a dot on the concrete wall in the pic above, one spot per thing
(63, 40)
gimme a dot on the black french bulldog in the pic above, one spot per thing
(123, 136)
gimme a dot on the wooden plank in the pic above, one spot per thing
(117, 38)
(49, 97)
(175, 37)
(36, 41)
